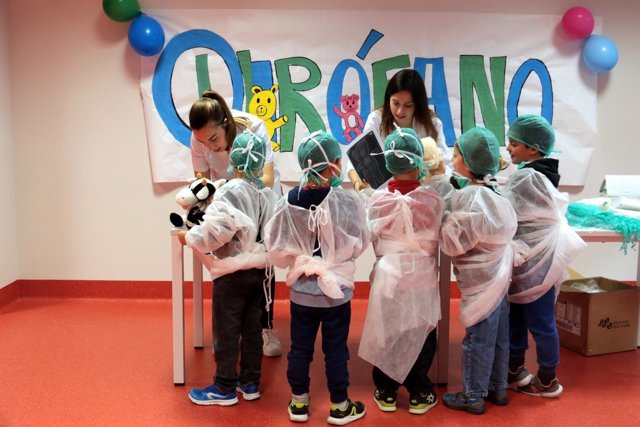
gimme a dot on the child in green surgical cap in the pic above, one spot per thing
(542, 226)
(317, 232)
(232, 231)
(399, 334)
(477, 234)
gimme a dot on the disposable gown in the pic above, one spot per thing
(338, 225)
(227, 239)
(404, 302)
(542, 225)
(478, 234)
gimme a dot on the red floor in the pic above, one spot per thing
(107, 362)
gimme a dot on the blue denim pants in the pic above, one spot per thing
(485, 354)
(305, 322)
(538, 317)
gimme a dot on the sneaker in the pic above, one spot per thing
(498, 398)
(420, 403)
(386, 400)
(271, 346)
(536, 388)
(460, 402)
(354, 411)
(249, 391)
(212, 395)
(298, 411)
(520, 378)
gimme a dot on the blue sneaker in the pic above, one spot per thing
(249, 391)
(212, 395)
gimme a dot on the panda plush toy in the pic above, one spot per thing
(194, 199)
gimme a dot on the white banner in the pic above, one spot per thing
(483, 69)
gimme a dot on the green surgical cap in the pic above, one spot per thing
(480, 151)
(321, 148)
(533, 131)
(403, 151)
(247, 152)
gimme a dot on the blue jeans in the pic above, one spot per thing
(538, 317)
(305, 322)
(485, 353)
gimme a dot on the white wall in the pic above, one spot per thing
(8, 239)
(87, 208)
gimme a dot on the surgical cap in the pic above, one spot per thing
(318, 150)
(247, 152)
(480, 151)
(403, 151)
(533, 131)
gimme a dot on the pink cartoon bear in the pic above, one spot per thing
(350, 116)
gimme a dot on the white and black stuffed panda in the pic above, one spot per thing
(194, 199)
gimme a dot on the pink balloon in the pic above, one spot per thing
(577, 23)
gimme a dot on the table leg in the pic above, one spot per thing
(197, 301)
(177, 308)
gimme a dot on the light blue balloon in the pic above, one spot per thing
(146, 35)
(599, 54)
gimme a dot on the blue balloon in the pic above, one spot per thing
(599, 54)
(146, 35)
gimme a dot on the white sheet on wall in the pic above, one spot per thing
(360, 41)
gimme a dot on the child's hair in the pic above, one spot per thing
(533, 131)
(409, 80)
(248, 155)
(403, 152)
(317, 152)
(433, 159)
(213, 108)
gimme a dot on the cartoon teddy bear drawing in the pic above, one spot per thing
(350, 117)
(263, 104)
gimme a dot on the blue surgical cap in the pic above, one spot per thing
(533, 131)
(480, 151)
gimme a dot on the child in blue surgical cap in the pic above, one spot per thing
(399, 334)
(317, 232)
(543, 227)
(232, 230)
(477, 233)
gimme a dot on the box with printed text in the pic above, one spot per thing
(597, 315)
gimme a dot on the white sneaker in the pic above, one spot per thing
(271, 346)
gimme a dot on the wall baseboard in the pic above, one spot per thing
(130, 289)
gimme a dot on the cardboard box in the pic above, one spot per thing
(598, 323)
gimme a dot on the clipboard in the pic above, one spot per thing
(369, 167)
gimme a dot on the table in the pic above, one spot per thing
(439, 367)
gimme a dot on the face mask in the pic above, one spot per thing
(461, 181)
(521, 165)
(230, 170)
(335, 181)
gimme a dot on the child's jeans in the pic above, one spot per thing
(305, 322)
(485, 354)
(418, 379)
(236, 314)
(538, 317)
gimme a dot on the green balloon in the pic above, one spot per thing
(121, 10)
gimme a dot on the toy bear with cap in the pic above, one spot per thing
(194, 199)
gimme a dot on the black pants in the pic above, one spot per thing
(418, 379)
(236, 314)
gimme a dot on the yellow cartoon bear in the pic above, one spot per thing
(263, 104)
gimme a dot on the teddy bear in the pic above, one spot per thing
(194, 199)
(351, 118)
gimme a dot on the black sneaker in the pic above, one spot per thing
(536, 388)
(520, 378)
(460, 402)
(386, 400)
(354, 411)
(420, 403)
(298, 411)
(498, 398)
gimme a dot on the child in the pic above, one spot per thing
(232, 230)
(214, 127)
(542, 225)
(477, 234)
(317, 231)
(399, 335)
